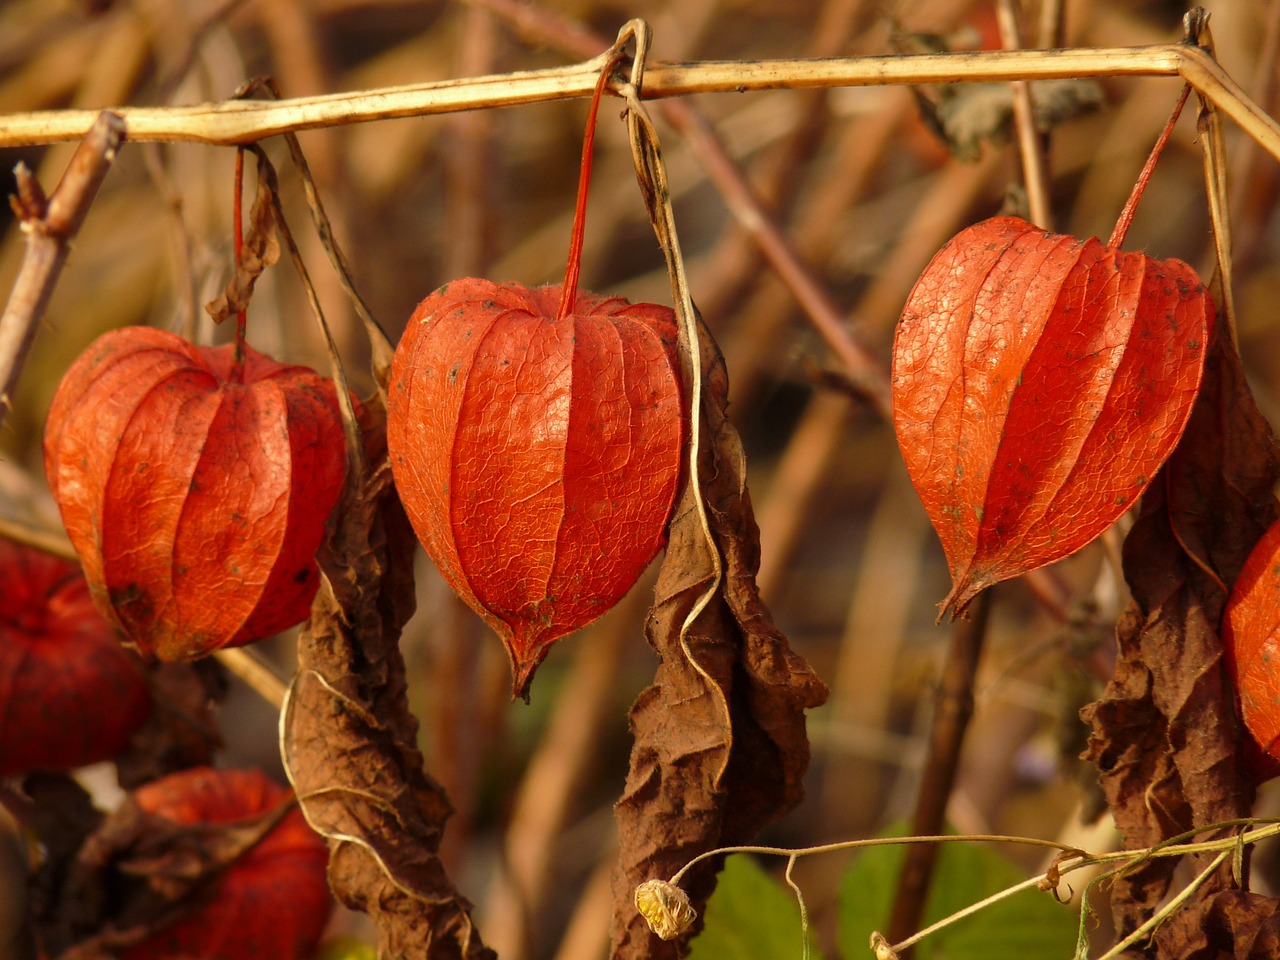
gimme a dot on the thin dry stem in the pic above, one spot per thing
(951, 720)
(54, 543)
(1030, 147)
(237, 122)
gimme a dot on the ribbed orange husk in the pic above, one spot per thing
(195, 500)
(1039, 382)
(70, 695)
(537, 458)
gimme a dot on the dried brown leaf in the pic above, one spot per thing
(1232, 924)
(63, 816)
(972, 114)
(182, 730)
(349, 737)
(138, 873)
(260, 250)
(1170, 752)
(720, 748)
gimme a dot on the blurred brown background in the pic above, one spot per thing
(863, 192)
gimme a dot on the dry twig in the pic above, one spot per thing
(50, 223)
(237, 122)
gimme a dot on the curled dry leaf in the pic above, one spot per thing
(349, 738)
(720, 745)
(260, 249)
(1231, 925)
(70, 694)
(195, 489)
(1039, 382)
(1170, 752)
(182, 730)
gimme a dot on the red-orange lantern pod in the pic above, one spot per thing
(195, 487)
(1251, 637)
(535, 436)
(536, 454)
(273, 901)
(69, 694)
(1039, 383)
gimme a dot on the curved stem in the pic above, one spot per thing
(842, 845)
(1031, 883)
(569, 292)
(1140, 187)
(1178, 846)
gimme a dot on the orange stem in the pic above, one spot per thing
(569, 292)
(1131, 205)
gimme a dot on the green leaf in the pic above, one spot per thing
(750, 916)
(1028, 924)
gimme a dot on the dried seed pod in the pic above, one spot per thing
(194, 489)
(665, 907)
(70, 695)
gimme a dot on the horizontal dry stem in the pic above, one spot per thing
(241, 121)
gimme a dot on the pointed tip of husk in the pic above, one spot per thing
(964, 591)
(523, 667)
